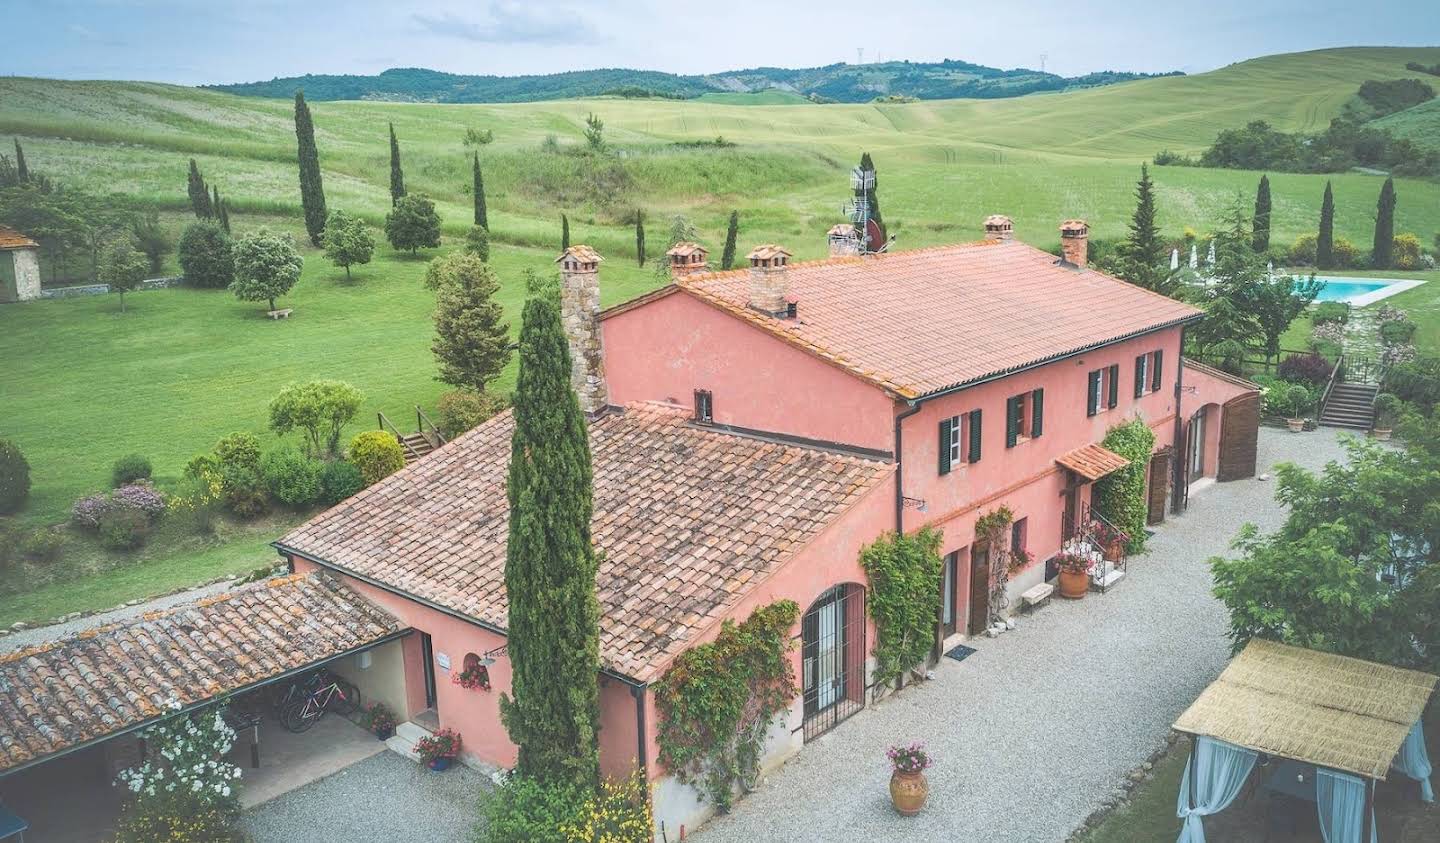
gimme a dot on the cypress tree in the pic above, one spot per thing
(1381, 252)
(397, 176)
(224, 213)
(482, 217)
(1143, 246)
(640, 237)
(871, 200)
(312, 189)
(564, 232)
(550, 563)
(1325, 241)
(22, 170)
(215, 200)
(1260, 226)
(727, 257)
(199, 194)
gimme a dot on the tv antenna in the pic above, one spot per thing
(871, 238)
(1043, 57)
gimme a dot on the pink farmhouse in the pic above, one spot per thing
(752, 431)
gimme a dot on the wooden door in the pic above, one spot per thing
(979, 589)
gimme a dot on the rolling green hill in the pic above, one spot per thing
(1420, 124)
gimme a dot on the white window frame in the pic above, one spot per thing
(957, 448)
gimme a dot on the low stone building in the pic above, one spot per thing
(19, 266)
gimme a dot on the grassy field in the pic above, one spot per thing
(85, 384)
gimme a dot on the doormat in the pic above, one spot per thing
(959, 652)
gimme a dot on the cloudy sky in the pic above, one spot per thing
(198, 41)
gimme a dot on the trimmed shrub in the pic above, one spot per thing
(123, 528)
(244, 490)
(14, 477)
(461, 409)
(1397, 332)
(1330, 311)
(1305, 368)
(43, 545)
(238, 449)
(292, 477)
(530, 810)
(377, 454)
(1294, 400)
(207, 255)
(339, 480)
(1120, 496)
(1303, 252)
(128, 469)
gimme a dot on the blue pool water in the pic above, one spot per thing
(1344, 289)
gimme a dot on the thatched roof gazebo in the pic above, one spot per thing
(1352, 720)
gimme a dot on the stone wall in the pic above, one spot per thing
(102, 289)
(27, 273)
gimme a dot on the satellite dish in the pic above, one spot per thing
(874, 237)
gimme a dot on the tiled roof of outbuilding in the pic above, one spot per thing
(65, 693)
(12, 239)
(687, 518)
(921, 321)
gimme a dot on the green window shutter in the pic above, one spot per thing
(945, 428)
(1092, 394)
(974, 436)
(1012, 421)
(1037, 413)
(1155, 370)
(1139, 376)
(1114, 386)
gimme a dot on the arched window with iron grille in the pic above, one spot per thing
(833, 658)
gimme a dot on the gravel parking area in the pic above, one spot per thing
(384, 797)
(1039, 727)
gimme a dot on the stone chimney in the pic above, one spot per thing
(844, 240)
(1074, 242)
(687, 258)
(999, 227)
(769, 279)
(580, 314)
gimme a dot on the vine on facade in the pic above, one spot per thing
(904, 599)
(992, 528)
(717, 701)
(1120, 496)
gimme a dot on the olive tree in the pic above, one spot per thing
(266, 266)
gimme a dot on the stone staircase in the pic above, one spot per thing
(1350, 406)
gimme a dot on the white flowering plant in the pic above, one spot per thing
(186, 764)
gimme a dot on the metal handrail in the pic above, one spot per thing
(1335, 374)
(386, 424)
(434, 437)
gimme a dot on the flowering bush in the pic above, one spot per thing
(1311, 369)
(1394, 354)
(618, 813)
(476, 676)
(1107, 534)
(142, 497)
(378, 718)
(445, 743)
(909, 759)
(91, 510)
(87, 511)
(1072, 563)
(185, 789)
(200, 496)
(1327, 333)
(1391, 313)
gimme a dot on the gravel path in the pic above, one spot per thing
(384, 797)
(42, 634)
(1040, 726)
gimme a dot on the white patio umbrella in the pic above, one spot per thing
(1194, 260)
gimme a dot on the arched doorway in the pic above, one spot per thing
(833, 658)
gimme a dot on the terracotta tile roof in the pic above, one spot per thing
(582, 253)
(921, 321)
(685, 248)
(1092, 461)
(58, 695)
(766, 252)
(1220, 374)
(12, 239)
(688, 519)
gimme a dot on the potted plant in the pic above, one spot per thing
(908, 787)
(380, 720)
(1387, 412)
(1112, 540)
(438, 750)
(1074, 574)
(1296, 399)
(476, 676)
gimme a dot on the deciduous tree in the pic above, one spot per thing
(319, 410)
(312, 188)
(123, 267)
(472, 339)
(266, 266)
(207, 255)
(553, 715)
(151, 239)
(413, 224)
(347, 240)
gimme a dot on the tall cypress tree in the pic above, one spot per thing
(550, 565)
(1143, 247)
(727, 257)
(871, 200)
(1260, 226)
(199, 194)
(312, 189)
(564, 232)
(640, 237)
(1325, 241)
(397, 176)
(1381, 252)
(223, 211)
(482, 217)
(22, 170)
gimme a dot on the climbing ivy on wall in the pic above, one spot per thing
(993, 528)
(1120, 496)
(718, 699)
(904, 599)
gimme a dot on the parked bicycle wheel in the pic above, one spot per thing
(345, 700)
(299, 716)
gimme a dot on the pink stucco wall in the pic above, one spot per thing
(1208, 393)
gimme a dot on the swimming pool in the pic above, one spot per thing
(1363, 291)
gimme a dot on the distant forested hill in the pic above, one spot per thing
(837, 82)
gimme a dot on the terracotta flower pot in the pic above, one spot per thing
(1296, 425)
(1381, 433)
(1074, 584)
(908, 792)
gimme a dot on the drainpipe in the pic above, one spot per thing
(900, 468)
(1179, 425)
(638, 692)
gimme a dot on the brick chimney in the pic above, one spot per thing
(769, 279)
(1074, 242)
(580, 314)
(687, 258)
(999, 227)
(844, 240)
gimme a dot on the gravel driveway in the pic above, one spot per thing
(385, 797)
(1041, 725)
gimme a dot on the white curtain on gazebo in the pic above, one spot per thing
(1340, 798)
(1220, 771)
(1415, 763)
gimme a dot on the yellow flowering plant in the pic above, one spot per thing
(618, 813)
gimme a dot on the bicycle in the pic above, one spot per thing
(335, 695)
